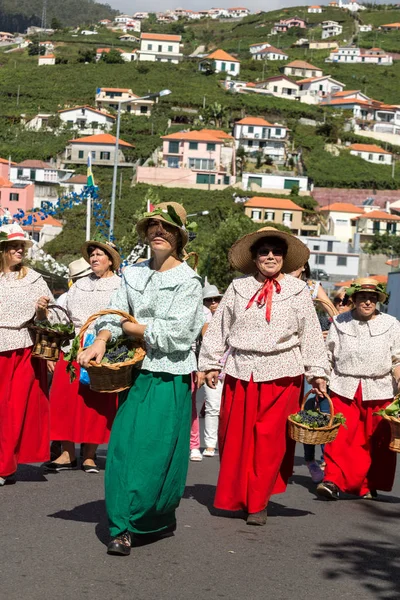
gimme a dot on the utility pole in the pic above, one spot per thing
(19, 88)
(43, 24)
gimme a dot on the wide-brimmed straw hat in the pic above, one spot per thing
(170, 212)
(108, 247)
(211, 291)
(368, 284)
(14, 233)
(240, 253)
(79, 268)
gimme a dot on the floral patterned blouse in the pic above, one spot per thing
(290, 345)
(366, 352)
(170, 304)
(18, 298)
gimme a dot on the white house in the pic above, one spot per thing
(255, 48)
(301, 68)
(263, 181)
(39, 121)
(350, 54)
(105, 22)
(238, 12)
(123, 19)
(255, 134)
(45, 176)
(330, 29)
(352, 6)
(337, 258)
(88, 32)
(86, 119)
(315, 9)
(48, 45)
(270, 53)
(364, 28)
(160, 47)
(6, 37)
(128, 37)
(126, 55)
(280, 86)
(372, 153)
(220, 62)
(319, 87)
(101, 148)
(133, 25)
(47, 59)
(376, 222)
(109, 98)
(339, 219)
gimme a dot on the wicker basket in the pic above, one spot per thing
(308, 435)
(48, 342)
(116, 377)
(395, 431)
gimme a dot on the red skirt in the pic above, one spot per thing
(77, 414)
(256, 453)
(359, 459)
(24, 410)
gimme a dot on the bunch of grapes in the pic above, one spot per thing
(315, 419)
(117, 354)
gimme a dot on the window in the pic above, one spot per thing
(330, 247)
(173, 162)
(93, 153)
(173, 147)
(210, 147)
(315, 247)
(149, 46)
(227, 180)
(159, 47)
(287, 216)
(275, 88)
(278, 131)
(381, 158)
(80, 154)
(232, 67)
(14, 197)
(376, 226)
(342, 261)
(20, 173)
(32, 175)
(269, 215)
(170, 49)
(223, 66)
(256, 215)
(250, 130)
(205, 178)
(319, 259)
(370, 157)
(201, 164)
(193, 145)
(105, 155)
(250, 143)
(143, 110)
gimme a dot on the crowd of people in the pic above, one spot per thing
(245, 357)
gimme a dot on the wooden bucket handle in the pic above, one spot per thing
(331, 409)
(101, 313)
(329, 304)
(56, 306)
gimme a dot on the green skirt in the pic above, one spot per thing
(148, 453)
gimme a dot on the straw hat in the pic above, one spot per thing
(14, 233)
(211, 291)
(240, 254)
(109, 247)
(79, 268)
(368, 284)
(175, 216)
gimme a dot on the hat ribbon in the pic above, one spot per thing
(264, 296)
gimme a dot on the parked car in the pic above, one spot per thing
(319, 275)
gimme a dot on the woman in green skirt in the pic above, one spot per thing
(148, 453)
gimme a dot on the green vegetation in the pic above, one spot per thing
(387, 40)
(384, 244)
(380, 15)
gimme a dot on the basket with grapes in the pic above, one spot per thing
(392, 414)
(114, 373)
(50, 337)
(313, 426)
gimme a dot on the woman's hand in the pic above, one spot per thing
(41, 307)
(132, 329)
(319, 386)
(212, 379)
(199, 379)
(51, 365)
(94, 352)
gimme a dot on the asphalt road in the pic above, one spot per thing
(53, 536)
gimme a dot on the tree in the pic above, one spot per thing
(34, 49)
(88, 55)
(384, 244)
(215, 114)
(56, 24)
(241, 156)
(112, 58)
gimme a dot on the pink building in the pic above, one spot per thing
(286, 24)
(5, 168)
(15, 196)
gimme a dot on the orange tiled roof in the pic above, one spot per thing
(102, 138)
(96, 110)
(204, 135)
(254, 121)
(47, 56)
(48, 220)
(345, 207)
(222, 55)
(4, 161)
(379, 279)
(368, 148)
(379, 215)
(161, 37)
(259, 44)
(301, 64)
(265, 202)
(396, 25)
(345, 93)
(5, 183)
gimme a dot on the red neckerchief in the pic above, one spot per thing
(264, 296)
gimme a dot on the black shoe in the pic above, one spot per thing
(258, 518)
(371, 495)
(53, 466)
(120, 545)
(90, 468)
(328, 490)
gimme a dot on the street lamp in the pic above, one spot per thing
(115, 172)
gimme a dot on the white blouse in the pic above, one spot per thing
(366, 352)
(18, 298)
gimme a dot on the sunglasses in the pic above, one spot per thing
(212, 300)
(275, 250)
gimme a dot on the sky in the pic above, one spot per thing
(131, 6)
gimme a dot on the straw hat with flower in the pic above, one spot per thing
(240, 254)
(108, 247)
(170, 212)
(368, 284)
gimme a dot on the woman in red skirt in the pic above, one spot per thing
(364, 351)
(24, 406)
(269, 322)
(77, 414)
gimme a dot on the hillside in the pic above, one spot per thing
(17, 15)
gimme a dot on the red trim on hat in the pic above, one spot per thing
(14, 235)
